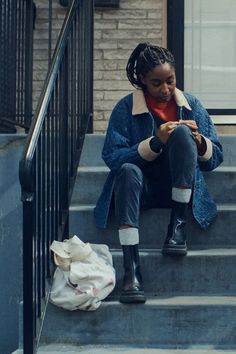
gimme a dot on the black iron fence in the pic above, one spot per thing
(50, 159)
(16, 42)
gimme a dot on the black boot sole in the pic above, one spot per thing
(171, 251)
(128, 297)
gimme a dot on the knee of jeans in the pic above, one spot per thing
(182, 138)
(181, 131)
(129, 170)
(182, 134)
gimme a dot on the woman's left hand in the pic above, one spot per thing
(194, 128)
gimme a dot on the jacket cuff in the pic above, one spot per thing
(209, 150)
(145, 151)
(155, 144)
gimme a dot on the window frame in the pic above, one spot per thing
(175, 43)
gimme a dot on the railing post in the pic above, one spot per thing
(28, 279)
(28, 329)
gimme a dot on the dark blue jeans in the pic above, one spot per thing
(150, 186)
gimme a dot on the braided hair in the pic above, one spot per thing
(143, 59)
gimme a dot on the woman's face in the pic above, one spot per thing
(160, 82)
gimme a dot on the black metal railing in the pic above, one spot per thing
(49, 164)
(16, 48)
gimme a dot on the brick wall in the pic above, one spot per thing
(117, 32)
(41, 41)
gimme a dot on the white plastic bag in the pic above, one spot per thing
(84, 276)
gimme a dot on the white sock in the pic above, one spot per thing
(181, 195)
(129, 236)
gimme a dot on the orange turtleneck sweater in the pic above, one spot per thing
(167, 111)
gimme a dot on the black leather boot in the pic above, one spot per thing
(132, 291)
(175, 242)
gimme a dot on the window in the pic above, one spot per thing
(205, 49)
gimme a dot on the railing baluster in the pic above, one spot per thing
(16, 36)
(28, 67)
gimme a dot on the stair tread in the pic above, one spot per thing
(100, 349)
(93, 169)
(164, 301)
(193, 301)
(184, 301)
(223, 206)
(191, 253)
(104, 168)
(225, 169)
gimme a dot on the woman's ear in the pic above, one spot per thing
(142, 79)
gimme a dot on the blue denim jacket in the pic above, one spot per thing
(130, 128)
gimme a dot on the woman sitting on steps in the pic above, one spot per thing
(158, 141)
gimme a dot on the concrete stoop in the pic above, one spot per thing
(191, 302)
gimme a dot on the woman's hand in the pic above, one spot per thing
(165, 130)
(194, 128)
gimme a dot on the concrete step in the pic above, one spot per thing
(200, 272)
(90, 181)
(153, 228)
(92, 149)
(109, 349)
(229, 147)
(91, 154)
(88, 184)
(175, 321)
(222, 184)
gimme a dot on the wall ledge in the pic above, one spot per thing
(107, 3)
(97, 3)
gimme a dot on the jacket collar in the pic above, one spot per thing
(140, 106)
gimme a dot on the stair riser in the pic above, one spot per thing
(92, 149)
(91, 155)
(88, 186)
(144, 324)
(153, 228)
(198, 274)
(222, 186)
(229, 149)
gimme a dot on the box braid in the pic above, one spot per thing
(143, 59)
